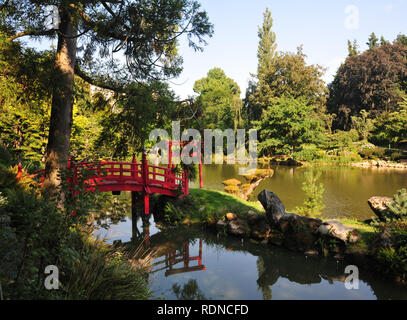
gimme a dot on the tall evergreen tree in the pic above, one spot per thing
(267, 45)
(353, 48)
(373, 41)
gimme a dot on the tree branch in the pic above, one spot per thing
(32, 33)
(99, 82)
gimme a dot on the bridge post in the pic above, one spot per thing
(145, 173)
(186, 181)
(19, 172)
(134, 166)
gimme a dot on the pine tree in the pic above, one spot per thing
(267, 45)
(352, 48)
(373, 41)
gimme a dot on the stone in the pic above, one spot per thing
(231, 216)
(336, 229)
(378, 206)
(272, 205)
(311, 253)
(299, 232)
(238, 228)
(221, 225)
(259, 228)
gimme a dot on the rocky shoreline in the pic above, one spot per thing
(380, 164)
(292, 231)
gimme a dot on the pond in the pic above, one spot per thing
(195, 264)
(347, 189)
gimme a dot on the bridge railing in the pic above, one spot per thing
(104, 172)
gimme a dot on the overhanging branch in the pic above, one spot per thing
(99, 82)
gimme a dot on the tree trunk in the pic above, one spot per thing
(62, 102)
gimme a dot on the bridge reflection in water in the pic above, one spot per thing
(172, 258)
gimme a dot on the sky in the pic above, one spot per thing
(322, 27)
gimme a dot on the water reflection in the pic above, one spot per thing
(173, 256)
(237, 271)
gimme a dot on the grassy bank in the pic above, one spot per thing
(202, 206)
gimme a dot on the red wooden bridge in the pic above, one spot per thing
(115, 176)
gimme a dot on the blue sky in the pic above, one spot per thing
(322, 27)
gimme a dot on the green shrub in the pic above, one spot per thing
(307, 155)
(313, 195)
(373, 153)
(395, 156)
(394, 261)
(398, 207)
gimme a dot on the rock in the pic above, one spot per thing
(259, 228)
(202, 209)
(238, 228)
(299, 232)
(273, 206)
(337, 230)
(231, 216)
(253, 217)
(378, 205)
(311, 253)
(221, 225)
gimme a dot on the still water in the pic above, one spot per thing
(195, 264)
(347, 189)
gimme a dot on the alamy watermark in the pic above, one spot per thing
(187, 147)
(352, 280)
(51, 281)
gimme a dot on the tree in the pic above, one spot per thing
(286, 125)
(363, 125)
(353, 48)
(219, 100)
(314, 192)
(373, 41)
(142, 109)
(383, 41)
(370, 82)
(401, 39)
(146, 33)
(391, 128)
(24, 99)
(266, 50)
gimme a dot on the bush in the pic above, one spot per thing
(398, 207)
(307, 155)
(395, 156)
(313, 195)
(373, 153)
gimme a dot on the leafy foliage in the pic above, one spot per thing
(219, 101)
(286, 125)
(368, 81)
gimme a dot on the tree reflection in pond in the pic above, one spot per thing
(189, 291)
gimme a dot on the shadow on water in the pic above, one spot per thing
(191, 263)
